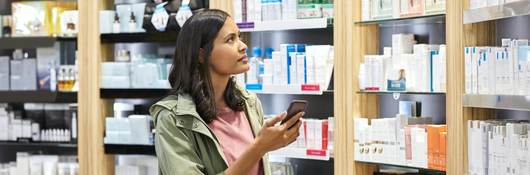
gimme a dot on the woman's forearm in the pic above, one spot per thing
(247, 160)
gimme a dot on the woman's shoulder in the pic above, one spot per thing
(177, 104)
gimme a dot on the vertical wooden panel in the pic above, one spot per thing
(351, 42)
(92, 158)
(343, 84)
(225, 5)
(459, 36)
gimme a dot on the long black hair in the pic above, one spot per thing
(189, 75)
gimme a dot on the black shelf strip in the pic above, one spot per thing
(39, 147)
(134, 93)
(421, 170)
(27, 42)
(130, 149)
(139, 37)
(37, 97)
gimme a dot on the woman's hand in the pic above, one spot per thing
(272, 137)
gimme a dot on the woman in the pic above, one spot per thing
(209, 125)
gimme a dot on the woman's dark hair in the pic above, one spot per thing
(189, 76)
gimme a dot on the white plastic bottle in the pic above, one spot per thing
(254, 62)
(53, 76)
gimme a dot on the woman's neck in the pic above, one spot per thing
(219, 83)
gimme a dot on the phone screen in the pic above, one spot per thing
(295, 107)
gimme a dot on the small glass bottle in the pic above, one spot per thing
(6, 26)
(116, 24)
(132, 23)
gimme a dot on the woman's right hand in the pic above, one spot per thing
(272, 137)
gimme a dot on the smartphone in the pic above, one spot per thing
(295, 107)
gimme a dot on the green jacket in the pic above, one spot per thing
(184, 143)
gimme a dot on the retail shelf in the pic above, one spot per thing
(289, 89)
(130, 149)
(421, 170)
(37, 97)
(63, 148)
(435, 18)
(512, 9)
(401, 92)
(27, 42)
(139, 37)
(296, 24)
(133, 93)
(299, 153)
(510, 102)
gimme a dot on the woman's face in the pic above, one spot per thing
(228, 56)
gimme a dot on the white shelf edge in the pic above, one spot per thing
(513, 9)
(295, 24)
(508, 102)
(298, 153)
(286, 89)
(398, 165)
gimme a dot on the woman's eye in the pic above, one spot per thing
(231, 39)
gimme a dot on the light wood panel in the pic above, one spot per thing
(225, 5)
(351, 43)
(458, 36)
(92, 109)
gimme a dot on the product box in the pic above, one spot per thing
(381, 9)
(32, 18)
(289, 9)
(125, 12)
(47, 59)
(409, 8)
(23, 74)
(434, 7)
(305, 11)
(4, 73)
(271, 10)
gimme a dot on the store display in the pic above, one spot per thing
(395, 9)
(136, 165)
(27, 164)
(498, 70)
(295, 65)
(40, 18)
(418, 67)
(402, 141)
(41, 123)
(143, 71)
(271, 10)
(135, 130)
(498, 147)
(315, 136)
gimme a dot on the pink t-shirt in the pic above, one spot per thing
(235, 134)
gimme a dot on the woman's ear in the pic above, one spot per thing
(201, 55)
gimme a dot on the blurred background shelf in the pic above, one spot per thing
(280, 25)
(420, 170)
(435, 18)
(130, 149)
(508, 10)
(401, 92)
(509, 102)
(37, 97)
(299, 153)
(170, 37)
(133, 93)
